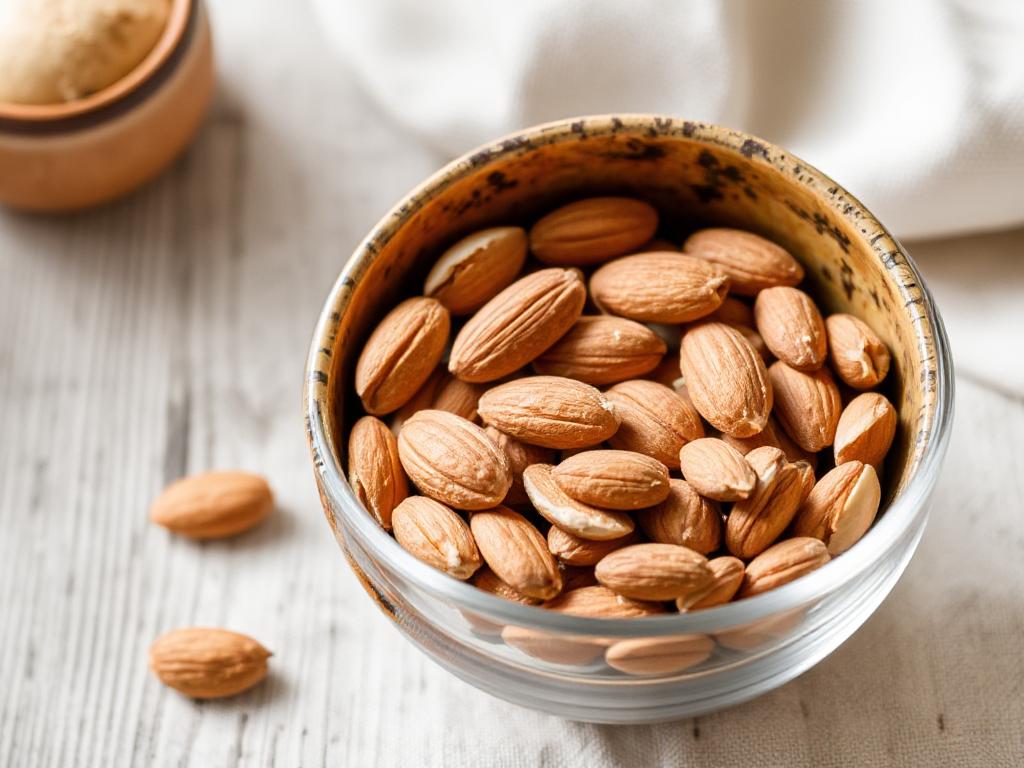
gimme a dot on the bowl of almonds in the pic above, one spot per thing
(628, 418)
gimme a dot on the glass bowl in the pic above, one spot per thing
(675, 665)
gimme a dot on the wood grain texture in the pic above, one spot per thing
(166, 334)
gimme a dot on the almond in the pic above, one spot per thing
(374, 470)
(757, 342)
(553, 647)
(602, 350)
(401, 354)
(550, 411)
(791, 326)
(841, 507)
(860, 358)
(516, 552)
(733, 311)
(576, 550)
(559, 509)
(577, 577)
(433, 533)
(659, 287)
(421, 401)
(601, 603)
(488, 581)
(212, 505)
(659, 655)
(781, 564)
(517, 325)
(751, 262)
(593, 230)
(756, 522)
(866, 429)
(654, 420)
(660, 244)
(473, 271)
(207, 663)
(684, 518)
(520, 456)
(457, 396)
(613, 479)
(655, 572)
(772, 435)
(807, 405)
(726, 379)
(728, 576)
(758, 633)
(453, 461)
(807, 479)
(716, 470)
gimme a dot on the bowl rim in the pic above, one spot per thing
(906, 509)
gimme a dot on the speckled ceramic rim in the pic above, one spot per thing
(905, 510)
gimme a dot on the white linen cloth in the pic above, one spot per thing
(917, 107)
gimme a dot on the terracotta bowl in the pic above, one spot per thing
(58, 157)
(696, 174)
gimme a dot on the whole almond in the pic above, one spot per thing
(807, 405)
(374, 470)
(576, 517)
(716, 470)
(654, 420)
(453, 461)
(781, 564)
(755, 523)
(726, 379)
(576, 550)
(207, 663)
(659, 287)
(593, 230)
(775, 436)
(577, 576)
(554, 647)
(457, 396)
(684, 518)
(659, 655)
(212, 505)
(866, 429)
(401, 354)
(550, 411)
(517, 325)
(473, 271)
(602, 350)
(655, 572)
(751, 262)
(520, 456)
(599, 602)
(860, 358)
(807, 479)
(733, 311)
(488, 581)
(756, 342)
(728, 576)
(612, 479)
(841, 507)
(422, 400)
(433, 533)
(792, 327)
(516, 551)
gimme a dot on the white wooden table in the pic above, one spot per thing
(166, 334)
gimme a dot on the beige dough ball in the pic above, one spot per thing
(61, 50)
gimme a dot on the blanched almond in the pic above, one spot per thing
(791, 325)
(807, 405)
(602, 350)
(515, 550)
(374, 470)
(684, 518)
(860, 358)
(655, 572)
(755, 523)
(433, 533)
(520, 456)
(716, 470)
(841, 507)
(786, 561)
(473, 271)
(576, 517)
(751, 262)
(590, 231)
(576, 550)
(866, 429)
(622, 480)
(654, 420)
(728, 576)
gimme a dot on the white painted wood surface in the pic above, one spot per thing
(166, 334)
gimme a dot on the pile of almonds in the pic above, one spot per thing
(561, 454)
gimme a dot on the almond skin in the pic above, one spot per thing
(213, 505)
(841, 507)
(575, 550)
(807, 405)
(786, 561)
(603, 350)
(716, 470)
(684, 518)
(374, 470)
(775, 436)
(728, 577)
(457, 396)
(726, 379)
(517, 325)
(859, 357)
(659, 656)
(659, 287)
(433, 533)
(401, 353)
(792, 327)
(621, 480)
(601, 603)
(453, 461)
(591, 231)
(473, 271)
(755, 523)
(207, 663)
(733, 312)
(655, 572)
(578, 518)
(807, 479)
(520, 456)
(654, 420)
(488, 581)
(751, 262)
(866, 429)
(516, 551)
(550, 411)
